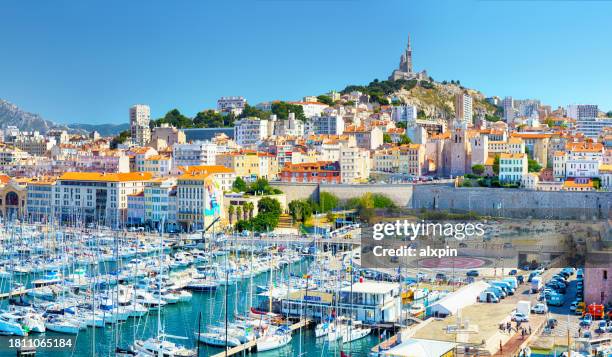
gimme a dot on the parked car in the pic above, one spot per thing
(472, 273)
(539, 309)
(520, 317)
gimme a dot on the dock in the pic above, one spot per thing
(250, 345)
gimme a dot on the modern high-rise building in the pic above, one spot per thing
(463, 108)
(140, 117)
(582, 111)
(508, 105)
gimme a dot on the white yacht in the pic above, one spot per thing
(12, 324)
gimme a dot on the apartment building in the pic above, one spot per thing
(512, 167)
(158, 165)
(140, 117)
(93, 197)
(195, 154)
(325, 125)
(315, 172)
(355, 165)
(199, 202)
(406, 159)
(250, 164)
(249, 132)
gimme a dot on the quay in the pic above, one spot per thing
(246, 347)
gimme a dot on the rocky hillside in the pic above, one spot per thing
(433, 99)
(11, 115)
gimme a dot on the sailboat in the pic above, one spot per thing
(279, 338)
(158, 346)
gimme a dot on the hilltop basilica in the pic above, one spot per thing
(405, 68)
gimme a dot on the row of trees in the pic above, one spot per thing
(242, 212)
(302, 210)
(268, 214)
(260, 187)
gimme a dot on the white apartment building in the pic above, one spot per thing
(158, 205)
(288, 127)
(404, 114)
(92, 197)
(140, 117)
(326, 125)
(592, 127)
(463, 108)
(582, 111)
(249, 132)
(355, 165)
(194, 154)
(581, 159)
(311, 109)
(512, 167)
(234, 105)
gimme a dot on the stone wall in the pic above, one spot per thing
(516, 203)
(504, 202)
(401, 194)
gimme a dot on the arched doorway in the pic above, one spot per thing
(11, 204)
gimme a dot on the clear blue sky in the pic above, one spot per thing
(88, 61)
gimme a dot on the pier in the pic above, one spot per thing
(246, 347)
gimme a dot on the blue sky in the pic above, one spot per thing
(88, 61)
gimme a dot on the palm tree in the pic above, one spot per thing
(250, 207)
(238, 212)
(230, 213)
(245, 210)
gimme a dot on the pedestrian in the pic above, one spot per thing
(530, 329)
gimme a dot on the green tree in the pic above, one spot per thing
(282, 110)
(300, 210)
(212, 119)
(250, 207)
(239, 185)
(404, 140)
(269, 205)
(496, 165)
(325, 99)
(174, 118)
(249, 111)
(230, 214)
(387, 138)
(327, 201)
(478, 169)
(381, 201)
(239, 212)
(120, 139)
(533, 166)
(492, 118)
